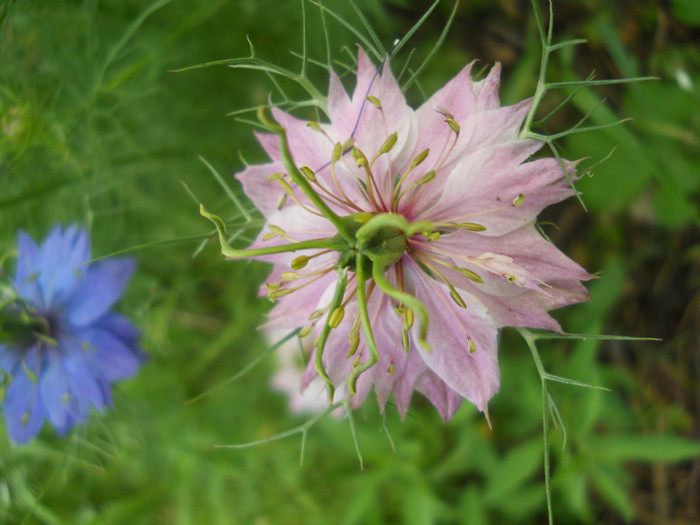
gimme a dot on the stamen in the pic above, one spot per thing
(300, 262)
(374, 101)
(336, 317)
(306, 330)
(417, 160)
(388, 145)
(308, 173)
(518, 201)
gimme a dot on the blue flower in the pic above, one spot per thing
(76, 347)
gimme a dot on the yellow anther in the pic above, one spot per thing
(454, 126)
(360, 158)
(314, 125)
(405, 341)
(282, 201)
(456, 297)
(390, 369)
(289, 276)
(309, 173)
(426, 178)
(375, 101)
(275, 176)
(362, 217)
(336, 317)
(433, 236)
(408, 318)
(518, 201)
(348, 144)
(280, 293)
(273, 286)
(419, 158)
(470, 275)
(337, 152)
(316, 314)
(277, 230)
(299, 262)
(472, 345)
(389, 143)
(354, 340)
(269, 236)
(470, 226)
(306, 330)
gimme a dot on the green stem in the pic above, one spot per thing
(390, 220)
(366, 326)
(379, 268)
(335, 303)
(530, 340)
(301, 181)
(232, 253)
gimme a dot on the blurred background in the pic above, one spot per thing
(96, 128)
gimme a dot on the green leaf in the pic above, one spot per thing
(687, 11)
(651, 448)
(519, 465)
(612, 491)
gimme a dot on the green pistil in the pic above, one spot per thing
(361, 263)
(228, 251)
(321, 342)
(299, 179)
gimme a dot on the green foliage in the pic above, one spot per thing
(97, 128)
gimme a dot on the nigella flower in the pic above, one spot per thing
(404, 239)
(66, 347)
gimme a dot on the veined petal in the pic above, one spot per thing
(474, 375)
(23, 406)
(58, 263)
(101, 286)
(264, 193)
(106, 356)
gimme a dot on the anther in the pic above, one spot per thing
(336, 317)
(306, 330)
(419, 158)
(280, 293)
(360, 158)
(316, 314)
(337, 152)
(299, 262)
(408, 318)
(456, 297)
(362, 217)
(470, 226)
(471, 344)
(390, 369)
(290, 276)
(518, 201)
(309, 173)
(405, 341)
(374, 101)
(470, 275)
(314, 125)
(388, 145)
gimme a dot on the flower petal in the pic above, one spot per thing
(23, 406)
(475, 375)
(101, 286)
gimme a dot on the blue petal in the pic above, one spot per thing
(121, 327)
(108, 357)
(23, 407)
(58, 265)
(9, 359)
(27, 267)
(84, 389)
(102, 286)
(53, 386)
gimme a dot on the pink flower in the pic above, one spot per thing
(430, 214)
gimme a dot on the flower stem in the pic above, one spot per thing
(300, 180)
(366, 326)
(228, 251)
(335, 303)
